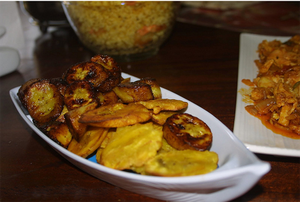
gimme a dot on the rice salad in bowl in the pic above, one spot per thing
(127, 29)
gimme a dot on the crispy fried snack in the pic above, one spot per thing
(184, 131)
(78, 129)
(133, 92)
(113, 70)
(86, 71)
(61, 118)
(59, 133)
(89, 142)
(116, 115)
(156, 91)
(79, 93)
(23, 90)
(107, 98)
(60, 83)
(42, 100)
(182, 163)
(104, 143)
(161, 117)
(132, 146)
(159, 105)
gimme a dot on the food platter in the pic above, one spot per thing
(248, 128)
(238, 168)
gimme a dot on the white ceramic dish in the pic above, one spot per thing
(238, 171)
(248, 128)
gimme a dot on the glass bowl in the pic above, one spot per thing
(123, 30)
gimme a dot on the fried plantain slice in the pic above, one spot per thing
(132, 146)
(86, 71)
(107, 98)
(104, 143)
(61, 118)
(184, 131)
(42, 100)
(113, 70)
(79, 93)
(60, 83)
(59, 133)
(182, 163)
(78, 129)
(133, 92)
(23, 89)
(89, 142)
(159, 105)
(116, 115)
(161, 117)
(156, 91)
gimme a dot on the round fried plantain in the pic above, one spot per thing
(79, 93)
(184, 131)
(113, 70)
(23, 89)
(88, 71)
(43, 101)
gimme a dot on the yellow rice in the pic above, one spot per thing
(113, 28)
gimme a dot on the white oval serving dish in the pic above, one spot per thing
(239, 169)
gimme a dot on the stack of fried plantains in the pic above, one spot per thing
(91, 108)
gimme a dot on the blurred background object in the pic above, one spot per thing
(45, 13)
(267, 18)
(124, 30)
(11, 37)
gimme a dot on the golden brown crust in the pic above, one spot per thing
(79, 93)
(116, 115)
(184, 131)
(156, 91)
(107, 98)
(43, 102)
(59, 133)
(159, 105)
(78, 129)
(133, 92)
(60, 83)
(24, 88)
(86, 71)
(112, 69)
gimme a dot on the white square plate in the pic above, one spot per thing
(248, 128)
(238, 171)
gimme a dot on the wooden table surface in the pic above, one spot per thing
(196, 62)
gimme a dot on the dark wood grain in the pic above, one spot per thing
(198, 63)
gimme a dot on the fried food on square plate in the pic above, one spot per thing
(132, 146)
(116, 115)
